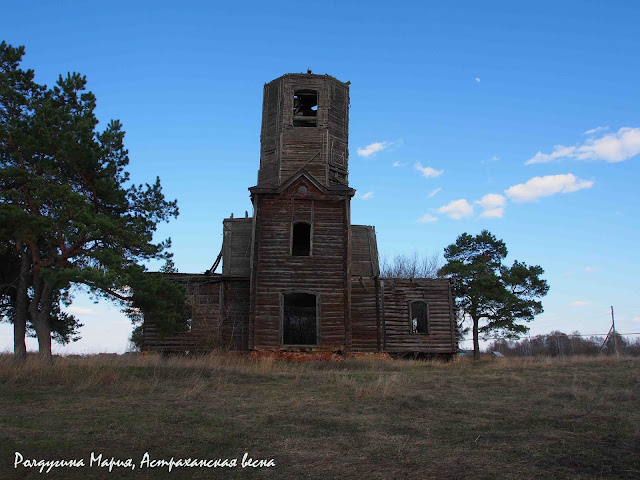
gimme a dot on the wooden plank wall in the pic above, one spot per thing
(235, 311)
(220, 315)
(303, 148)
(365, 315)
(236, 247)
(270, 133)
(277, 272)
(364, 251)
(338, 125)
(398, 337)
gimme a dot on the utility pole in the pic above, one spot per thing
(613, 329)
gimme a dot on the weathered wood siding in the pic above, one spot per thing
(276, 271)
(236, 247)
(364, 251)
(338, 132)
(398, 337)
(365, 315)
(220, 313)
(304, 148)
(270, 133)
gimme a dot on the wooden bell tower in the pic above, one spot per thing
(305, 124)
(300, 293)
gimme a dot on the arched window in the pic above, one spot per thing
(301, 239)
(299, 319)
(419, 316)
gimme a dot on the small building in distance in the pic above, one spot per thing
(297, 275)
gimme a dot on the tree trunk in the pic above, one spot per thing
(22, 298)
(476, 345)
(43, 332)
(40, 310)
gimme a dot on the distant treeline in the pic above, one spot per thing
(558, 343)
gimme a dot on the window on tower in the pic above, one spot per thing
(305, 108)
(301, 239)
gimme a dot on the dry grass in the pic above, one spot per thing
(361, 418)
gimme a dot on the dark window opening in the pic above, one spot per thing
(305, 108)
(419, 316)
(301, 240)
(299, 323)
(185, 321)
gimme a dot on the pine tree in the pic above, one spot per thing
(494, 296)
(69, 214)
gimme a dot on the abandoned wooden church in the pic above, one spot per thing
(297, 275)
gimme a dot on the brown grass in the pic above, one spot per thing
(361, 418)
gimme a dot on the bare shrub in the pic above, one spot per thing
(410, 266)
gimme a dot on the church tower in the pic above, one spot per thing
(305, 125)
(300, 284)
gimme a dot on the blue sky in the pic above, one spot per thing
(521, 119)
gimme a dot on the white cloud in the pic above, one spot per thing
(493, 213)
(477, 79)
(579, 303)
(538, 187)
(434, 192)
(457, 209)
(427, 219)
(365, 196)
(428, 171)
(559, 151)
(399, 164)
(492, 200)
(493, 205)
(612, 148)
(593, 131)
(591, 269)
(373, 148)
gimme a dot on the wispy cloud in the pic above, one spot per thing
(434, 192)
(427, 219)
(81, 311)
(376, 147)
(579, 303)
(612, 148)
(373, 148)
(397, 163)
(428, 171)
(365, 196)
(493, 205)
(591, 269)
(494, 158)
(538, 187)
(593, 131)
(457, 209)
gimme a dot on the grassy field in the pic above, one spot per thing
(361, 418)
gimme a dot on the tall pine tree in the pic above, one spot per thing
(69, 214)
(494, 296)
